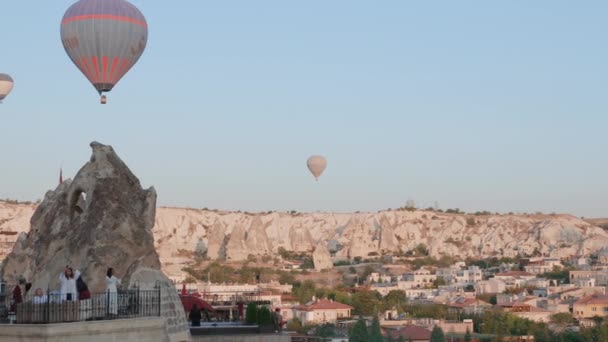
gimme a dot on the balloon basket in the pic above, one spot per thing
(104, 99)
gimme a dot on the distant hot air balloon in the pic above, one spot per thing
(316, 165)
(6, 85)
(104, 39)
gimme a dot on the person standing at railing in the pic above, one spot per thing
(68, 278)
(195, 316)
(39, 297)
(277, 320)
(84, 296)
(112, 284)
(18, 294)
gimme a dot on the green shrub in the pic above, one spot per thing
(251, 315)
(264, 316)
(294, 325)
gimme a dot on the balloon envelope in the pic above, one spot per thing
(316, 165)
(6, 85)
(104, 39)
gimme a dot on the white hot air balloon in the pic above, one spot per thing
(6, 85)
(316, 164)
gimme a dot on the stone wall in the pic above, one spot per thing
(243, 338)
(140, 330)
(172, 310)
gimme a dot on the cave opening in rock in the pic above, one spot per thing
(78, 202)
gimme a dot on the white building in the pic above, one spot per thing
(542, 265)
(514, 278)
(462, 277)
(470, 276)
(322, 311)
(377, 278)
(275, 286)
(421, 278)
(490, 286)
(384, 289)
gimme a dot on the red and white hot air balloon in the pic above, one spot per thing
(104, 39)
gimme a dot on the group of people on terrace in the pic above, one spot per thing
(72, 288)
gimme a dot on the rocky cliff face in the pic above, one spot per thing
(321, 258)
(103, 218)
(180, 234)
(362, 235)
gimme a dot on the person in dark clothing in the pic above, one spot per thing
(277, 320)
(18, 294)
(207, 315)
(84, 296)
(83, 289)
(195, 316)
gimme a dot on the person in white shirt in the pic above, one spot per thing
(112, 284)
(68, 284)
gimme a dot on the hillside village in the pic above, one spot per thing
(556, 286)
(563, 295)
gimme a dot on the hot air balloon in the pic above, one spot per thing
(104, 39)
(316, 165)
(6, 85)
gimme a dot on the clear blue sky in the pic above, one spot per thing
(497, 105)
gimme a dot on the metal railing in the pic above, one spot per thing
(56, 308)
(231, 298)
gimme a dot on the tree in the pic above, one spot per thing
(437, 335)
(286, 278)
(439, 281)
(359, 332)
(367, 271)
(375, 335)
(251, 314)
(394, 299)
(410, 205)
(421, 249)
(562, 318)
(264, 316)
(307, 264)
(294, 325)
(366, 302)
(326, 330)
(467, 336)
(304, 291)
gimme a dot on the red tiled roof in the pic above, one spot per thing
(324, 305)
(288, 298)
(415, 332)
(514, 274)
(593, 299)
(519, 304)
(468, 302)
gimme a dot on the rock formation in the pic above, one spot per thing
(180, 234)
(103, 218)
(321, 258)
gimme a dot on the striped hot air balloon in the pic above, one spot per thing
(6, 86)
(104, 38)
